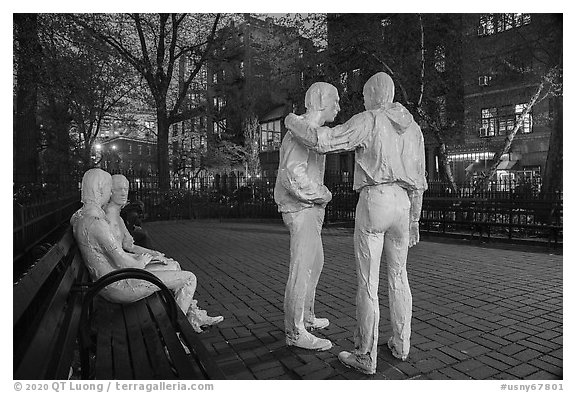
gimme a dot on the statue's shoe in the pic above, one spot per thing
(209, 321)
(395, 352)
(309, 341)
(351, 360)
(198, 318)
(319, 323)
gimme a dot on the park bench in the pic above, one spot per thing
(60, 325)
(481, 216)
(539, 216)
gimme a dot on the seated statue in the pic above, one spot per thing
(118, 200)
(103, 253)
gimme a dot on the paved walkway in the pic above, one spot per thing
(478, 313)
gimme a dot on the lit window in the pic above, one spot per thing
(486, 26)
(504, 22)
(526, 126)
(521, 19)
(270, 136)
(440, 58)
(488, 122)
(500, 121)
(498, 23)
(344, 81)
(442, 113)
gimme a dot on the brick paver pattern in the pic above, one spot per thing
(478, 313)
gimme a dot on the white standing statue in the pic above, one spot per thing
(390, 177)
(103, 253)
(301, 197)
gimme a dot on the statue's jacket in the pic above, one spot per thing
(388, 145)
(300, 179)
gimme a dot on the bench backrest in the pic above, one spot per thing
(46, 312)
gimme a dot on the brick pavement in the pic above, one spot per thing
(478, 313)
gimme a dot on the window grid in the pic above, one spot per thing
(270, 136)
(490, 24)
(500, 121)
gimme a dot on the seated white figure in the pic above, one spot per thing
(102, 254)
(118, 200)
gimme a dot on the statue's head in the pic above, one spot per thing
(96, 187)
(322, 97)
(378, 91)
(120, 187)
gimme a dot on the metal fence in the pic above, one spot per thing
(494, 189)
(511, 209)
(508, 209)
(35, 223)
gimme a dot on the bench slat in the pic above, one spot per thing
(181, 361)
(62, 366)
(198, 350)
(122, 360)
(35, 351)
(121, 355)
(156, 354)
(140, 361)
(27, 288)
(103, 364)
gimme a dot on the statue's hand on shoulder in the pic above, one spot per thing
(301, 129)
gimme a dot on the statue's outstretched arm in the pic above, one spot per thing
(345, 137)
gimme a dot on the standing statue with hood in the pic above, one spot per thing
(301, 197)
(390, 177)
(103, 253)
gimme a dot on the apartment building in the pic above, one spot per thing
(480, 72)
(506, 56)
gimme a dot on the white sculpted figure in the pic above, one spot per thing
(390, 177)
(103, 254)
(119, 199)
(301, 197)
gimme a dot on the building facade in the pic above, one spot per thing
(255, 75)
(127, 144)
(480, 71)
(507, 55)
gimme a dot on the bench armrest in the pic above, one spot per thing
(104, 281)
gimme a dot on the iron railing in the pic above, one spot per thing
(511, 209)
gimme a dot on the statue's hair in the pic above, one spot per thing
(316, 95)
(93, 182)
(119, 178)
(379, 89)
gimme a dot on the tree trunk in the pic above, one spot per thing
(553, 171)
(162, 149)
(508, 141)
(443, 156)
(25, 128)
